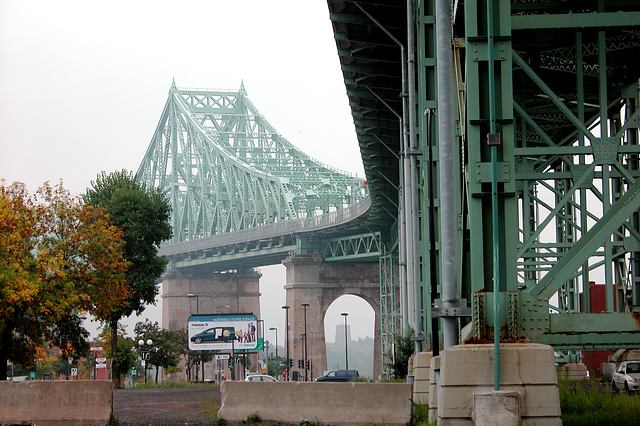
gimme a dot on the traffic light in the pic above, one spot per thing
(300, 363)
(284, 376)
(229, 363)
(308, 366)
(290, 362)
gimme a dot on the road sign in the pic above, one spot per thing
(101, 363)
(74, 372)
(96, 348)
(145, 355)
(222, 356)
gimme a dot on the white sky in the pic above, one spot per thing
(83, 84)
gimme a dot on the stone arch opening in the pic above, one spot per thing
(360, 334)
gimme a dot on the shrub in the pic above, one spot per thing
(587, 404)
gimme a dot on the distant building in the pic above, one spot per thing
(340, 333)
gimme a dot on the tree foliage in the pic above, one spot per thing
(143, 216)
(165, 350)
(191, 358)
(125, 357)
(403, 348)
(58, 259)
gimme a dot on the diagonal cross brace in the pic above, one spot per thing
(569, 263)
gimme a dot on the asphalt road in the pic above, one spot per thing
(165, 406)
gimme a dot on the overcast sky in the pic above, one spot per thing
(83, 84)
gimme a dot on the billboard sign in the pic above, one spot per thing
(222, 332)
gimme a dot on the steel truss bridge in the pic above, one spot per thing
(501, 147)
(242, 195)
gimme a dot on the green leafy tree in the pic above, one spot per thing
(191, 358)
(399, 358)
(275, 366)
(143, 216)
(58, 259)
(125, 357)
(164, 351)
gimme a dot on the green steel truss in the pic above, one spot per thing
(568, 164)
(362, 247)
(226, 169)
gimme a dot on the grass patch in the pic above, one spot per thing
(252, 419)
(210, 409)
(174, 384)
(589, 405)
(420, 415)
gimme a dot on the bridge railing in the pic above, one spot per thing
(273, 230)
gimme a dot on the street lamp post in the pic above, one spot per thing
(191, 295)
(286, 330)
(145, 354)
(305, 306)
(346, 353)
(271, 329)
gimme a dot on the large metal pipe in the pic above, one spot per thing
(446, 163)
(407, 278)
(412, 187)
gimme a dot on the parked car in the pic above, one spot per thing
(626, 377)
(260, 378)
(338, 376)
(215, 334)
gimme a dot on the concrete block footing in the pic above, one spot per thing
(500, 408)
(574, 371)
(528, 386)
(421, 379)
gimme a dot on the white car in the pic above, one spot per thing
(259, 378)
(626, 377)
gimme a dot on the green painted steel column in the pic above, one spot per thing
(495, 222)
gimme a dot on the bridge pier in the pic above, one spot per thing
(188, 292)
(309, 279)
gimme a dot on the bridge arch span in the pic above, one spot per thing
(361, 324)
(313, 281)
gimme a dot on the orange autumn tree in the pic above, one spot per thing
(59, 258)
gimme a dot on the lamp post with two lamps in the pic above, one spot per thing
(145, 354)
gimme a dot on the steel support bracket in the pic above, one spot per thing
(459, 309)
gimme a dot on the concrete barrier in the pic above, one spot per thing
(352, 403)
(72, 402)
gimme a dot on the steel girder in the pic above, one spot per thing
(226, 169)
(568, 169)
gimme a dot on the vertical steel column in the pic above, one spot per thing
(586, 296)
(494, 199)
(447, 160)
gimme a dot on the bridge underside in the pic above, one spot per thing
(555, 86)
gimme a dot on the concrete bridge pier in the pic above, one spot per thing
(188, 292)
(309, 279)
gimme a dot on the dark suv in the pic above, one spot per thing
(338, 376)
